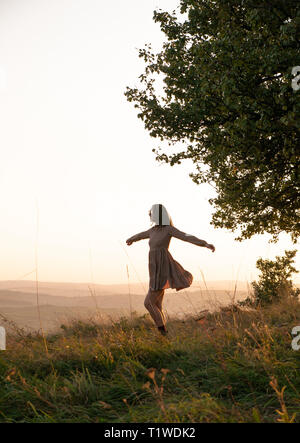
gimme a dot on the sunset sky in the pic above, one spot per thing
(77, 174)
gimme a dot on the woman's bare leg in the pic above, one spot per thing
(152, 303)
(159, 305)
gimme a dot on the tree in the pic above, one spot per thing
(274, 283)
(228, 96)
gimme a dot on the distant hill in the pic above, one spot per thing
(61, 301)
(20, 306)
(67, 289)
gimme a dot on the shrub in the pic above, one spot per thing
(274, 282)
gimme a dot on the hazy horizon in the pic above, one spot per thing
(220, 284)
(59, 303)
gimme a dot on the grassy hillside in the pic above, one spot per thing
(233, 366)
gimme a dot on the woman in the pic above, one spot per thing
(164, 271)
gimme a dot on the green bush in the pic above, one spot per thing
(274, 282)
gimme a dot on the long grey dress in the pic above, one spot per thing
(164, 271)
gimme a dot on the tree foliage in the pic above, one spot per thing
(274, 283)
(227, 95)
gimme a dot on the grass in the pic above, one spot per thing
(235, 365)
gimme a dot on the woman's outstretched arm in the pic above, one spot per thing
(137, 237)
(174, 232)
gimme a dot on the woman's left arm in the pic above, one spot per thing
(174, 232)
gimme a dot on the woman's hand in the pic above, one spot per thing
(209, 246)
(129, 242)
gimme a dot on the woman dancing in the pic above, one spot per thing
(164, 271)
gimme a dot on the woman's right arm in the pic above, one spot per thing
(139, 236)
(174, 232)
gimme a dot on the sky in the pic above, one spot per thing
(77, 171)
